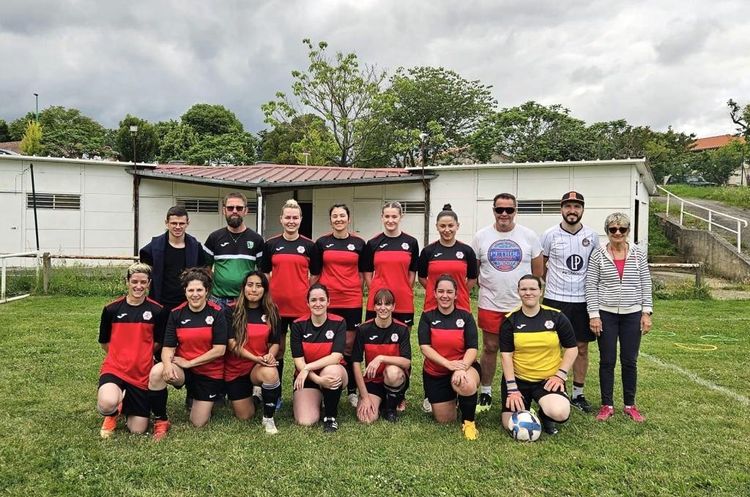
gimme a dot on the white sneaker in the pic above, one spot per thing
(426, 406)
(353, 399)
(269, 425)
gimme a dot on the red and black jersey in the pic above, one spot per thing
(450, 335)
(372, 341)
(195, 333)
(390, 259)
(458, 261)
(259, 336)
(290, 265)
(315, 342)
(339, 269)
(131, 332)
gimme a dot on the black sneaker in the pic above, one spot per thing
(485, 402)
(581, 403)
(391, 416)
(549, 426)
(330, 425)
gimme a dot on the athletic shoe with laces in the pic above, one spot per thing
(353, 399)
(108, 426)
(485, 402)
(426, 406)
(634, 414)
(391, 416)
(161, 427)
(269, 425)
(605, 413)
(581, 403)
(330, 425)
(470, 431)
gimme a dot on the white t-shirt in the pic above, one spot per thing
(503, 258)
(568, 259)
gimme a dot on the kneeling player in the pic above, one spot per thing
(448, 339)
(253, 342)
(130, 331)
(530, 341)
(384, 344)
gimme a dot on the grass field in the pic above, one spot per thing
(695, 441)
(738, 196)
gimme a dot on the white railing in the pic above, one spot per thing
(4, 274)
(710, 219)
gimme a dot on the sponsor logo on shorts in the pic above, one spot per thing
(212, 396)
(549, 324)
(301, 249)
(505, 255)
(329, 334)
(147, 315)
(209, 320)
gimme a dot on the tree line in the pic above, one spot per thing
(340, 111)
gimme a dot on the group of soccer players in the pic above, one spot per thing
(216, 318)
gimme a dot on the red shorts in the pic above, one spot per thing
(490, 321)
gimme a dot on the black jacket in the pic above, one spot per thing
(153, 255)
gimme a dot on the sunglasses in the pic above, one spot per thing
(232, 208)
(504, 210)
(614, 230)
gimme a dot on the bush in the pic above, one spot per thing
(681, 291)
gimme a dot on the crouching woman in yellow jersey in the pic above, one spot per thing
(530, 342)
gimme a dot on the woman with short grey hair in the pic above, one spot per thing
(619, 303)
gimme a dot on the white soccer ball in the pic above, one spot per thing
(525, 426)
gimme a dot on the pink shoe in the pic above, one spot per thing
(605, 413)
(634, 414)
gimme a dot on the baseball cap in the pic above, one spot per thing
(572, 197)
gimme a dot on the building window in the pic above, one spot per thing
(212, 206)
(539, 206)
(411, 206)
(57, 201)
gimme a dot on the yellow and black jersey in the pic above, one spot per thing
(535, 342)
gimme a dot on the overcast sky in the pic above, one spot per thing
(658, 63)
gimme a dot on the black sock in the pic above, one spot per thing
(576, 384)
(394, 396)
(331, 402)
(468, 406)
(158, 401)
(280, 368)
(352, 387)
(270, 394)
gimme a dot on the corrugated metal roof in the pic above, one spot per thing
(279, 175)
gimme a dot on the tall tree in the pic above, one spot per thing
(67, 133)
(340, 92)
(4, 131)
(230, 148)
(668, 153)
(176, 142)
(146, 140)
(741, 117)
(619, 140)
(31, 143)
(208, 119)
(719, 165)
(287, 142)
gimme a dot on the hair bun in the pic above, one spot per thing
(447, 207)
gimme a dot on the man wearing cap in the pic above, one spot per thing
(505, 252)
(566, 248)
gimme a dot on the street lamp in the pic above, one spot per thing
(136, 184)
(36, 95)
(134, 134)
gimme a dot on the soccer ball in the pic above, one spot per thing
(525, 426)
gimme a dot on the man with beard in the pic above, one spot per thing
(566, 248)
(234, 251)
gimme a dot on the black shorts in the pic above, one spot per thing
(239, 388)
(135, 402)
(439, 388)
(405, 317)
(200, 387)
(531, 390)
(577, 315)
(379, 389)
(352, 316)
(308, 384)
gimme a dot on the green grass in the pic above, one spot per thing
(695, 441)
(738, 196)
(658, 243)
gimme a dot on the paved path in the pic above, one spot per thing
(723, 208)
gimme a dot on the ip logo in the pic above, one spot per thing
(574, 263)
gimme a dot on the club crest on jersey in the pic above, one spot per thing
(329, 334)
(301, 249)
(394, 337)
(250, 245)
(147, 315)
(209, 320)
(405, 246)
(350, 246)
(585, 242)
(460, 323)
(263, 318)
(459, 255)
(549, 324)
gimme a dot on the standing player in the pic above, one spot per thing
(130, 330)
(339, 253)
(505, 251)
(389, 260)
(384, 343)
(567, 247)
(289, 261)
(169, 254)
(234, 251)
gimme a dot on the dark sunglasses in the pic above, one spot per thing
(504, 210)
(614, 230)
(232, 208)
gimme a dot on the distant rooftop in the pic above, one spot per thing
(714, 142)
